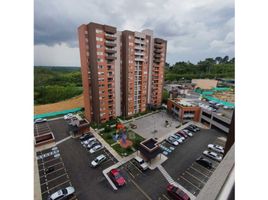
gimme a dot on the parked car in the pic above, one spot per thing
(40, 120)
(92, 144)
(85, 137)
(196, 127)
(49, 169)
(95, 148)
(178, 138)
(62, 193)
(172, 141)
(98, 160)
(182, 133)
(179, 135)
(216, 148)
(134, 126)
(189, 133)
(191, 129)
(177, 193)
(117, 178)
(204, 162)
(141, 163)
(68, 116)
(212, 155)
(86, 142)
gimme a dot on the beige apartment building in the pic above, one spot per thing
(122, 72)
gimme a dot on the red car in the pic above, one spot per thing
(117, 178)
(177, 193)
(182, 134)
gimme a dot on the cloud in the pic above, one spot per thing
(194, 29)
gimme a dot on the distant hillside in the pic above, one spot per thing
(54, 84)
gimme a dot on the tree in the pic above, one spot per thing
(225, 59)
(218, 60)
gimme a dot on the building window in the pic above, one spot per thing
(99, 31)
(99, 59)
(98, 38)
(100, 67)
(98, 46)
(99, 53)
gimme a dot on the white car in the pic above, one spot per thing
(96, 148)
(85, 143)
(40, 120)
(62, 193)
(212, 155)
(216, 148)
(68, 116)
(189, 133)
(97, 161)
(142, 164)
(178, 139)
(172, 140)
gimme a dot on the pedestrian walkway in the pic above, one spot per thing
(63, 140)
(105, 144)
(171, 181)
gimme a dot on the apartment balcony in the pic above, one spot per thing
(157, 55)
(137, 41)
(110, 57)
(158, 46)
(139, 53)
(139, 59)
(139, 47)
(110, 44)
(158, 51)
(110, 50)
(110, 37)
(157, 61)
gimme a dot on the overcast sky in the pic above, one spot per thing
(194, 29)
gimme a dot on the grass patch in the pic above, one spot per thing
(121, 151)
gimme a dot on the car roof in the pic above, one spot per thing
(100, 156)
(138, 158)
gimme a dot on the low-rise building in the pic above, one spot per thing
(78, 125)
(183, 110)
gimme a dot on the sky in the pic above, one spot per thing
(194, 29)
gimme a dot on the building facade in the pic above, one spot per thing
(122, 72)
(183, 111)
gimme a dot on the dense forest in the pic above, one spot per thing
(209, 68)
(53, 84)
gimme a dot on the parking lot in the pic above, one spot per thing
(151, 184)
(187, 172)
(57, 178)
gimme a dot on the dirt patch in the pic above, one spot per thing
(75, 102)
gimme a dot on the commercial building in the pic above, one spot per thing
(122, 72)
(183, 110)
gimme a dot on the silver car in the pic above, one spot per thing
(62, 193)
(212, 155)
(216, 148)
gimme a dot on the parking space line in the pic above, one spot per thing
(203, 168)
(54, 164)
(199, 171)
(138, 187)
(56, 186)
(136, 167)
(49, 160)
(195, 177)
(165, 197)
(52, 172)
(54, 179)
(189, 182)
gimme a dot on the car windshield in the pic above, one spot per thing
(117, 175)
(64, 191)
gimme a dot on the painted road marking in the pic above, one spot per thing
(142, 191)
(51, 172)
(195, 177)
(199, 171)
(56, 186)
(189, 182)
(55, 178)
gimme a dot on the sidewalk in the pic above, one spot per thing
(106, 145)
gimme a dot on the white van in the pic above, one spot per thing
(142, 164)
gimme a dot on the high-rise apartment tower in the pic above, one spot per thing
(122, 72)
